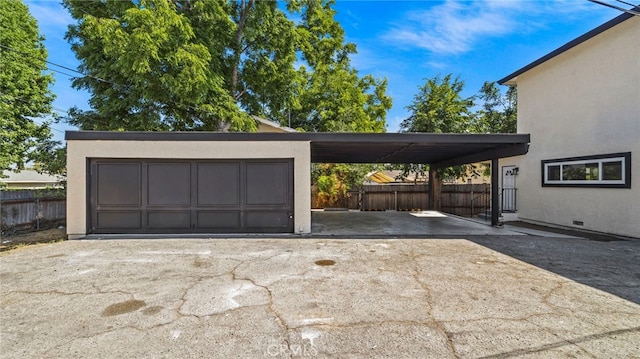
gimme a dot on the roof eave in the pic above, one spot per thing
(512, 78)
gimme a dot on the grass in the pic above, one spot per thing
(22, 240)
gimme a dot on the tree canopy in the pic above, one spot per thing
(439, 107)
(498, 113)
(24, 89)
(145, 68)
(209, 65)
(332, 96)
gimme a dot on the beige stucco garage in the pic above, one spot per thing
(204, 182)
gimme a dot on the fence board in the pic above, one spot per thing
(31, 207)
(462, 199)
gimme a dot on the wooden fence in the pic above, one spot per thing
(395, 197)
(31, 208)
(463, 199)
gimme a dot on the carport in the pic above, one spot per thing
(212, 182)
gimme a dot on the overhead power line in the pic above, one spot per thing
(58, 65)
(635, 11)
(177, 105)
(41, 122)
(626, 3)
(60, 72)
(38, 120)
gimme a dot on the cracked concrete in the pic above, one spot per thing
(247, 298)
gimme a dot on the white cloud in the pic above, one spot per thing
(454, 27)
(437, 65)
(49, 13)
(365, 59)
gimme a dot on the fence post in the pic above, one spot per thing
(37, 212)
(395, 200)
(472, 200)
(363, 207)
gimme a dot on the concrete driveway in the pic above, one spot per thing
(391, 223)
(312, 297)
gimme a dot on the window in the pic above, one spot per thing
(612, 170)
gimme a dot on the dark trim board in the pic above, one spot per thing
(569, 45)
(334, 137)
(424, 148)
(627, 171)
(438, 150)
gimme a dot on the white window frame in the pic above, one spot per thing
(624, 182)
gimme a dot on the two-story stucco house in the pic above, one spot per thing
(581, 105)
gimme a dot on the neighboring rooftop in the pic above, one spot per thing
(29, 179)
(265, 125)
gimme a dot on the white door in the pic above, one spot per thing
(509, 188)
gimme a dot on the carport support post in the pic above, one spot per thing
(495, 197)
(434, 190)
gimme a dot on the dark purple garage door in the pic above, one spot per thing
(191, 196)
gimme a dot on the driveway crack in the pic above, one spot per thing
(279, 319)
(427, 296)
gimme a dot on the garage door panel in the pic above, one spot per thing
(218, 219)
(168, 184)
(119, 219)
(169, 219)
(218, 184)
(118, 184)
(267, 183)
(267, 219)
(185, 196)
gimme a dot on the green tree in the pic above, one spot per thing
(147, 71)
(24, 89)
(333, 97)
(439, 107)
(208, 65)
(333, 181)
(498, 113)
(262, 54)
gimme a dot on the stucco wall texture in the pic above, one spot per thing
(583, 102)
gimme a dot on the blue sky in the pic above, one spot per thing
(404, 41)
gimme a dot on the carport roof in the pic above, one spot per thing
(439, 150)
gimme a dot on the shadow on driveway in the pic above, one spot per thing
(612, 266)
(465, 297)
(604, 262)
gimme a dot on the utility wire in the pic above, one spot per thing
(58, 65)
(40, 120)
(628, 11)
(60, 72)
(13, 98)
(628, 3)
(183, 106)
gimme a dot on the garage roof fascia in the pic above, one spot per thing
(438, 150)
